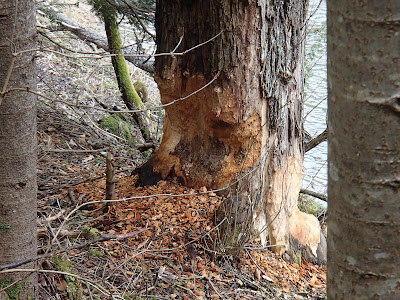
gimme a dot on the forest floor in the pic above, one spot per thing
(154, 242)
(157, 242)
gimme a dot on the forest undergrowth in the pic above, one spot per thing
(152, 244)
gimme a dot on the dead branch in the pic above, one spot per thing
(322, 137)
(102, 238)
(110, 177)
(133, 10)
(54, 100)
(75, 150)
(145, 146)
(90, 36)
(320, 196)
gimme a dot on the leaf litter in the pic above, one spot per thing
(175, 257)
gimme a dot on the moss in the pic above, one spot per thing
(73, 285)
(117, 125)
(297, 257)
(90, 233)
(147, 153)
(74, 290)
(119, 63)
(96, 253)
(5, 226)
(308, 205)
(14, 290)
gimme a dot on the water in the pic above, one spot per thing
(315, 106)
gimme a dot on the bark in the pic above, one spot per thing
(245, 125)
(363, 149)
(17, 143)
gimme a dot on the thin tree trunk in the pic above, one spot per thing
(246, 125)
(17, 143)
(364, 149)
(129, 95)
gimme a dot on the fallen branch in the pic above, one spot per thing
(92, 37)
(317, 140)
(322, 197)
(75, 150)
(102, 238)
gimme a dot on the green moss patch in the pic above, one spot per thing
(117, 125)
(14, 290)
(5, 226)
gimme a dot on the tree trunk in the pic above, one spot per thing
(364, 149)
(17, 143)
(246, 126)
(129, 94)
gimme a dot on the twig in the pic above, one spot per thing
(101, 56)
(258, 267)
(322, 137)
(75, 150)
(322, 197)
(102, 238)
(133, 10)
(9, 72)
(91, 282)
(213, 286)
(112, 111)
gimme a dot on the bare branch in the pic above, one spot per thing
(133, 10)
(116, 111)
(90, 36)
(322, 137)
(102, 238)
(322, 197)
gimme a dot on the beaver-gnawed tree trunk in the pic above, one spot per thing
(247, 124)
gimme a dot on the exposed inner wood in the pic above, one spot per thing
(247, 124)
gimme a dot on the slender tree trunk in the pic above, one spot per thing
(247, 124)
(129, 94)
(364, 149)
(17, 142)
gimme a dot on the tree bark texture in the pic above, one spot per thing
(17, 141)
(364, 149)
(246, 126)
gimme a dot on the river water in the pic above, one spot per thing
(315, 103)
